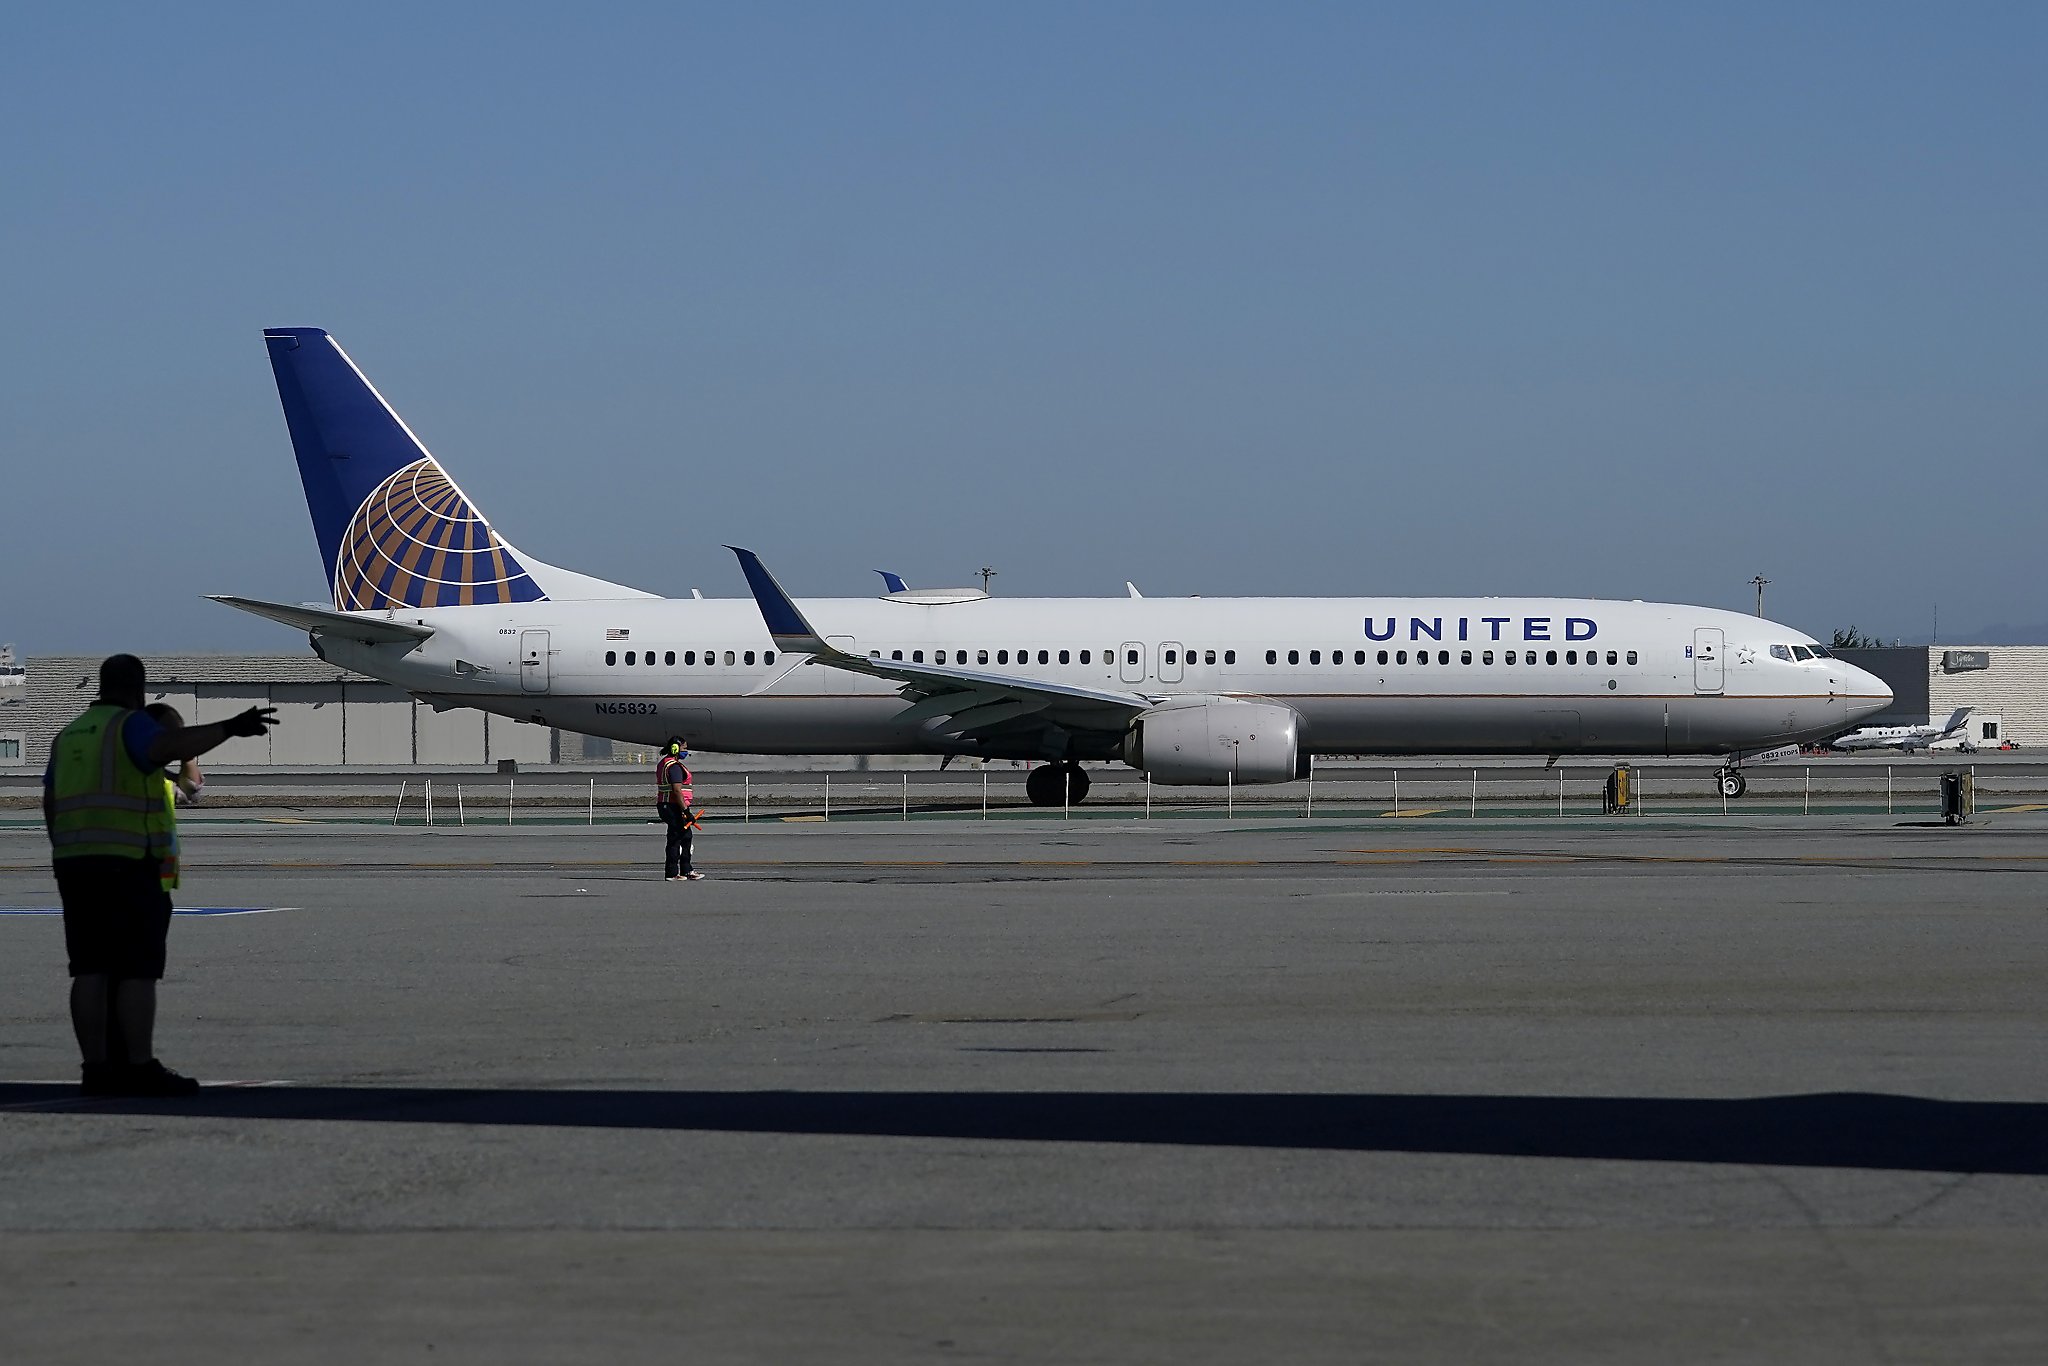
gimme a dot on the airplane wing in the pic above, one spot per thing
(1955, 720)
(974, 699)
(345, 625)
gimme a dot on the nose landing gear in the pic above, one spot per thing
(1731, 782)
(1056, 784)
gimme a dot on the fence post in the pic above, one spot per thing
(1560, 791)
(401, 801)
(1067, 791)
(828, 796)
(511, 786)
(1806, 807)
(984, 791)
(1888, 790)
(746, 798)
(1474, 813)
(461, 812)
(1310, 814)
(1230, 794)
(1148, 796)
(906, 796)
(430, 801)
(1397, 791)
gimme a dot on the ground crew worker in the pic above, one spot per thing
(103, 807)
(674, 803)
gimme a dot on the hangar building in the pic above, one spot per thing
(327, 715)
(2008, 682)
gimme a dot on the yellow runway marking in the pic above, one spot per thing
(2043, 807)
(1402, 815)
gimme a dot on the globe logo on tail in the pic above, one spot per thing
(417, 542)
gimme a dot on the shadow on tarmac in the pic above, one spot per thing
(1852, 1129)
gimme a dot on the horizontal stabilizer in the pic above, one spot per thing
(343, 625)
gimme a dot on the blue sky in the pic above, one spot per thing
(1628, 301)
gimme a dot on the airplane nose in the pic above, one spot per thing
(1868, 694)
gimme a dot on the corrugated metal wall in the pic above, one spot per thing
(326, 715)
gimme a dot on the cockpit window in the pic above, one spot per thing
(1821, 652)
(1783, 652)
(1800, 652)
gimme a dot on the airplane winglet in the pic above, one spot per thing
(785, 623)
(893, 582)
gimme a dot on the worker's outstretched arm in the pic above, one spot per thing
(189, 742)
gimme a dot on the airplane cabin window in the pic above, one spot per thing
(1400, 656)
(981, 656)
(1065, 657)
(1358, 656)
(689, 656)
(1631, 656)
(1528, 656)
(1084, 656)
(1208, 656)
(1486, 656)
(611, 656)
(1294, 656)
(1169, 657)
(1507, 656)
(768, 658)
(729, 660)
(630, 656)
(1383, 656)
(1422, 656)
(895, 654)
(750, 656)
(917, 656)
(669, 658)
(1002, 656)
(1336, 656)
(1044, 657)
(1464, 656)
(1315, 656)
(1550, 656)
(1571, 656)
(1131, 657)
(1443, 656)
(1611, 658)
(1272, 657)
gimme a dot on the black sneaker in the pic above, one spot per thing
(100, 1078)
(152, 1078)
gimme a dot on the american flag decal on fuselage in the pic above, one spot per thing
(417, 542)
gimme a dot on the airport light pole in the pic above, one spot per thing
(1760, 581)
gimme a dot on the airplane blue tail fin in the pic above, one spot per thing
(394, 529)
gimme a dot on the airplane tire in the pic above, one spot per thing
(1044, 785)
(1733, 784)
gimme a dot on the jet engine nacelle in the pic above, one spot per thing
(1212, 743)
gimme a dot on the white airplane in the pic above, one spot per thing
(428, 596)
(1903, 738)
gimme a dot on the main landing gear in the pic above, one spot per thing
(1056, 784)
(1731, 782)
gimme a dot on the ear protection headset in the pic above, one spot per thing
(675, 747)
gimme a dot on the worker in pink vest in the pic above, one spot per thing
(675, 804)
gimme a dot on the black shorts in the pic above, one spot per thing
(116, 916)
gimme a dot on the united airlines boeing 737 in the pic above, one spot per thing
(428, 596)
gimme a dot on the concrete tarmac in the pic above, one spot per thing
(1656, 1089)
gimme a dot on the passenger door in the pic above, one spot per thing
(1170, 661)
(1707, 672)
(533, 661)
(1131, 660)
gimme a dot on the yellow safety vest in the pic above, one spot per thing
(101, 802)
(167, 866)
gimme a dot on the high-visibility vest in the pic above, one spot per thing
(664, 779)
(101, 802)
(167, 865)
